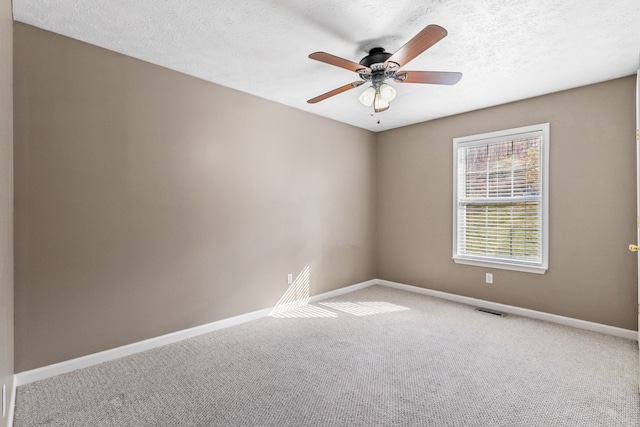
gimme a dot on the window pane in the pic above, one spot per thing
(506, 230)
(504, 169)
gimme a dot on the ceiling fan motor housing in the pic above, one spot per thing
(375, 62)
(377, 55)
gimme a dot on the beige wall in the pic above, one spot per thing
(148, 201)
(591, 275)
(6, 198)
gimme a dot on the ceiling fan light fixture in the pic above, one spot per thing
(379, 104)
(367, 97)
(387, 92)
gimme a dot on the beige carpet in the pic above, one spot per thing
(375, 357)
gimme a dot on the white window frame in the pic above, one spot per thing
(541, 130)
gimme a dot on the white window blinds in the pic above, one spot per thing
(500, 206)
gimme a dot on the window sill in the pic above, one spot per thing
(501, 265)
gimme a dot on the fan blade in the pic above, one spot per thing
(327, 58)
(426, 38)
(430, 77)
(335, 92)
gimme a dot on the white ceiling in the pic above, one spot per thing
(506, 49)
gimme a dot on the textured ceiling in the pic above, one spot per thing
(506, 50)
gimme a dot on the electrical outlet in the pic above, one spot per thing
(289, 278)
(489, 278)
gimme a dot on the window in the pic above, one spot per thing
(500, 186)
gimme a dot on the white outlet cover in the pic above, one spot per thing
(489, 278)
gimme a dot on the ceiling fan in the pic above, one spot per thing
(378, 66)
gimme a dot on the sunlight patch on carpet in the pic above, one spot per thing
(305, 311)
(365, 308)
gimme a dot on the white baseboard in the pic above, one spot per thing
(554, 318)
(342, 291)
(44, 372)
(12, 403)
(49, 371)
